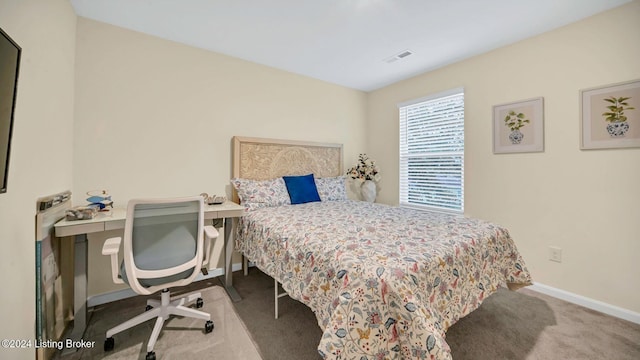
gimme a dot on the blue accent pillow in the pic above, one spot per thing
(302, 189)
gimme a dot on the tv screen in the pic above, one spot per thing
(9, 67)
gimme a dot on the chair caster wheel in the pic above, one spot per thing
(109, 343)
(199, 303)
(151, 356)
(208, 327)
(149, 307)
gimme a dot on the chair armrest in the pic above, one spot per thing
(210, 233)
(111, 247)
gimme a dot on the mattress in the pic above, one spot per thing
(384, 282)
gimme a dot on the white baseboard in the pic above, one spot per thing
(592, 304)
(96, 300)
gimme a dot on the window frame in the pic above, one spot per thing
(404, 153)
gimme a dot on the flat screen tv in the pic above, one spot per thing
(9, 67)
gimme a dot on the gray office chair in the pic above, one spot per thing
(163, 248)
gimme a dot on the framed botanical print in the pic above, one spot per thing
(610, 116)
(519, 127)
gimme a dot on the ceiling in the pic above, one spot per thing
(347, 42)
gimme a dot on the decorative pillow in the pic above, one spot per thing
(255, 194)
(302, 189)
(332, 189)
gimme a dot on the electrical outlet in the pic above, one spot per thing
(555, 254)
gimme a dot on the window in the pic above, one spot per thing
(432, 152)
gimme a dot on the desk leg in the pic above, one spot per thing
(228, 254)
(79, 290)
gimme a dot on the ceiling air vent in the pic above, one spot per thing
(401, 55)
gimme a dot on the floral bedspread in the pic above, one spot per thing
(384, 282)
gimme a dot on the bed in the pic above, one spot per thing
(384, 282)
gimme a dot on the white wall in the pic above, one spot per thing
(41, 151)
(585, 202)
(156, 118)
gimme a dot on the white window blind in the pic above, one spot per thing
(432, 152)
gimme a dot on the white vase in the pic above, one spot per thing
(516, 137)
(368, 191)
(617, 129)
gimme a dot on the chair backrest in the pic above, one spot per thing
(163, 243)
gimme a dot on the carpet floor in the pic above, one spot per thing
(181, 338)
(509, 325)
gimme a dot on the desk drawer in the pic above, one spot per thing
(229, 213)
(79, 229)
(114, 225)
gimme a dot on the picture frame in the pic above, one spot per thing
(518, 127)
(610, 116)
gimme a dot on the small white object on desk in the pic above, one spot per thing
(81, 213)
(213, 199)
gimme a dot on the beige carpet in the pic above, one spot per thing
(510, 325)
(181, 338)
(522, 325)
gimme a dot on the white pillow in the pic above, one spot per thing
(255, 194)
(332, 188)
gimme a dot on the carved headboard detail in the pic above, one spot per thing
(261, 159)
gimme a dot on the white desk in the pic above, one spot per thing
(115, 220)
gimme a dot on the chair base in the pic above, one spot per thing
(162, 309)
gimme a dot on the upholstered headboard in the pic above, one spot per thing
(261, 159)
